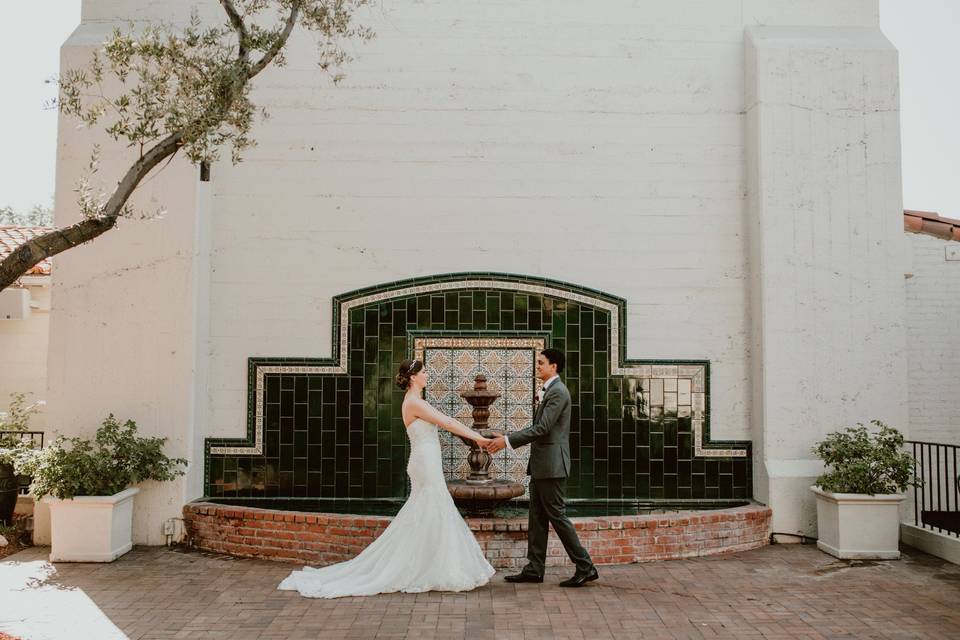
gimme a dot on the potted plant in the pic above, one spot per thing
(14, 425)
(88, 487)
(858, 498)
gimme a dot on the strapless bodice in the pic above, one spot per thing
(425, 467)
(420, 432)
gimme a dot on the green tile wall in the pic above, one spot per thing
(341, 435)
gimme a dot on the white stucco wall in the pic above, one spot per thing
(23, 353)
(600, 147)
(607, 147)
(933, 338)
(516, 137)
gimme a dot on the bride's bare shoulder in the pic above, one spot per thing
(411, 410)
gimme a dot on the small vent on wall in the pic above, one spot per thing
(204, 172)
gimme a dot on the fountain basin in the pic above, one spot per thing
(325, 538)
(481, 499)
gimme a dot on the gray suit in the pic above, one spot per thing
(549, 467)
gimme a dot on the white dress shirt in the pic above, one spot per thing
(540, 394)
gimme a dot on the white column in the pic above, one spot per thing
(827, 251)
(128, 331)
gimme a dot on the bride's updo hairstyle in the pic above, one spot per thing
(408, 369)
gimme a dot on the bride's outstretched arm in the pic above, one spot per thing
(423, 409)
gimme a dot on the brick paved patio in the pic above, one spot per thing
(782, 591)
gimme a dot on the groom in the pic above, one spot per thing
(549, 466)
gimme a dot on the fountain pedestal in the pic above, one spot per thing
(480, 494)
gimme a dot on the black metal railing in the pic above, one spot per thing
(35, 438)
(936, 502)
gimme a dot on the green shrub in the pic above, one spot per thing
(862, 462)
(113, 461)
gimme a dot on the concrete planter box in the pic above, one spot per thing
(856, 526)
(91, 528)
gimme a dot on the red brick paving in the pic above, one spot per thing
(775, 592)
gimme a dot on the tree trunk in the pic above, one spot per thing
(50, 244)
(39, 248)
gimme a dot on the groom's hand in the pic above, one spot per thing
(496, 445)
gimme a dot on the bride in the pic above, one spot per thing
(428, 546)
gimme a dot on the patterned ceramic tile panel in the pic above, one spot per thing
(331, 428)
(510, 373)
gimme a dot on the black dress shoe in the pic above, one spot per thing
(580, 579)
(523, 577)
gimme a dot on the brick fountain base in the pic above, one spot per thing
(320, 539)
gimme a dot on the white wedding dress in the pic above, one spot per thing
(427, 547)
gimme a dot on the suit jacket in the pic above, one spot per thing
(549, 435)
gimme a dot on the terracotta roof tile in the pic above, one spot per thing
(931, 224)
(12, 237)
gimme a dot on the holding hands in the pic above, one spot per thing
(494, 445)
(482, 442)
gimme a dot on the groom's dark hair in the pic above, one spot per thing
(555, 356)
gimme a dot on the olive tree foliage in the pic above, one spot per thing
(37, 216)
(182, 91)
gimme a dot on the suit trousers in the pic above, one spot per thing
(547, 505)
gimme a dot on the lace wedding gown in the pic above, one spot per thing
(427, 547)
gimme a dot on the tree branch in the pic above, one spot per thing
(237, 22)
(138, 171)
(280, 42)
(39, 248)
